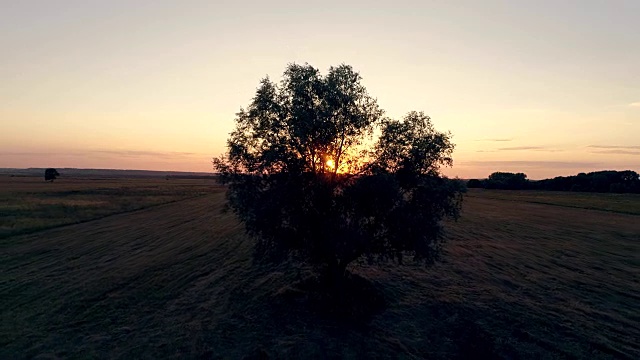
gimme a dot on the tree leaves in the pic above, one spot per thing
(308, 180)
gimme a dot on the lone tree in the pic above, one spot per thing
(310, 181)
(50, 174)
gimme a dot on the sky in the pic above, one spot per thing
(542, 87)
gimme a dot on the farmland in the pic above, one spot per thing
(28, 204)
(621, 203)
(524, 275)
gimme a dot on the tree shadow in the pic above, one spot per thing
(306, 318)
(353, 302)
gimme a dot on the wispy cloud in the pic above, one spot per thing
(37, 153)
(521, 148)
(110, 153)
(515, 148)
(534, 148)
(141, 153)
(623, 147)
(635, 104)
(617, 152)
(496, 140)
(534, 164)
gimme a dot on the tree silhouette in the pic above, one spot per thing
(626, 181)
(50, 174)
(310, 181)
(507, 181)
(474, 183)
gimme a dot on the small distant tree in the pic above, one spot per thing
(50, 174)
(309, 181)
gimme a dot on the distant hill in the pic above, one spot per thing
(109, 173)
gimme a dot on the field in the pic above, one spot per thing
(521, 278)
(621, 203)
(29, 204)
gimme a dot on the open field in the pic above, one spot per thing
(29, 204)
(622, 203)
(518, 280)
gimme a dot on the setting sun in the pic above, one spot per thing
(331, 164)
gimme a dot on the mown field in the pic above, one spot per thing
(519, 280)
(621, 203)
(29, 204)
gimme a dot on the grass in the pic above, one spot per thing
(29, 204)
(621, 203)
(518, 280)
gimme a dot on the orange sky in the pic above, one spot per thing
(539, 87)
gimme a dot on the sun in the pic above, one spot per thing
(331, 164)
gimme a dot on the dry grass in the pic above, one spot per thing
(622, 203)
(30, 204)
(541, 281)
(519, 280)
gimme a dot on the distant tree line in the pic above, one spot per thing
(626, 181)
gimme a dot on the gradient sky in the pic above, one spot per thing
(543, 87)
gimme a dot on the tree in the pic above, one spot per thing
(626, 181)
(507, 181)
(50, 174)
(310, 181)
(474, 183)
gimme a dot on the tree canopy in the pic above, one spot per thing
(316, 172)
(50, 174)
(507, 180)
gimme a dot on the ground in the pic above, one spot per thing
(519, 279)
(28, 204)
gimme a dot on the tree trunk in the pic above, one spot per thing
(335, 274)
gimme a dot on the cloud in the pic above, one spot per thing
(497, 140)
(624, 147)
(550, 150)
(522, 148)
(38, 153)
(110, 153)
(635, 104)
(534, 164)
(141, 153)
(618, 152)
